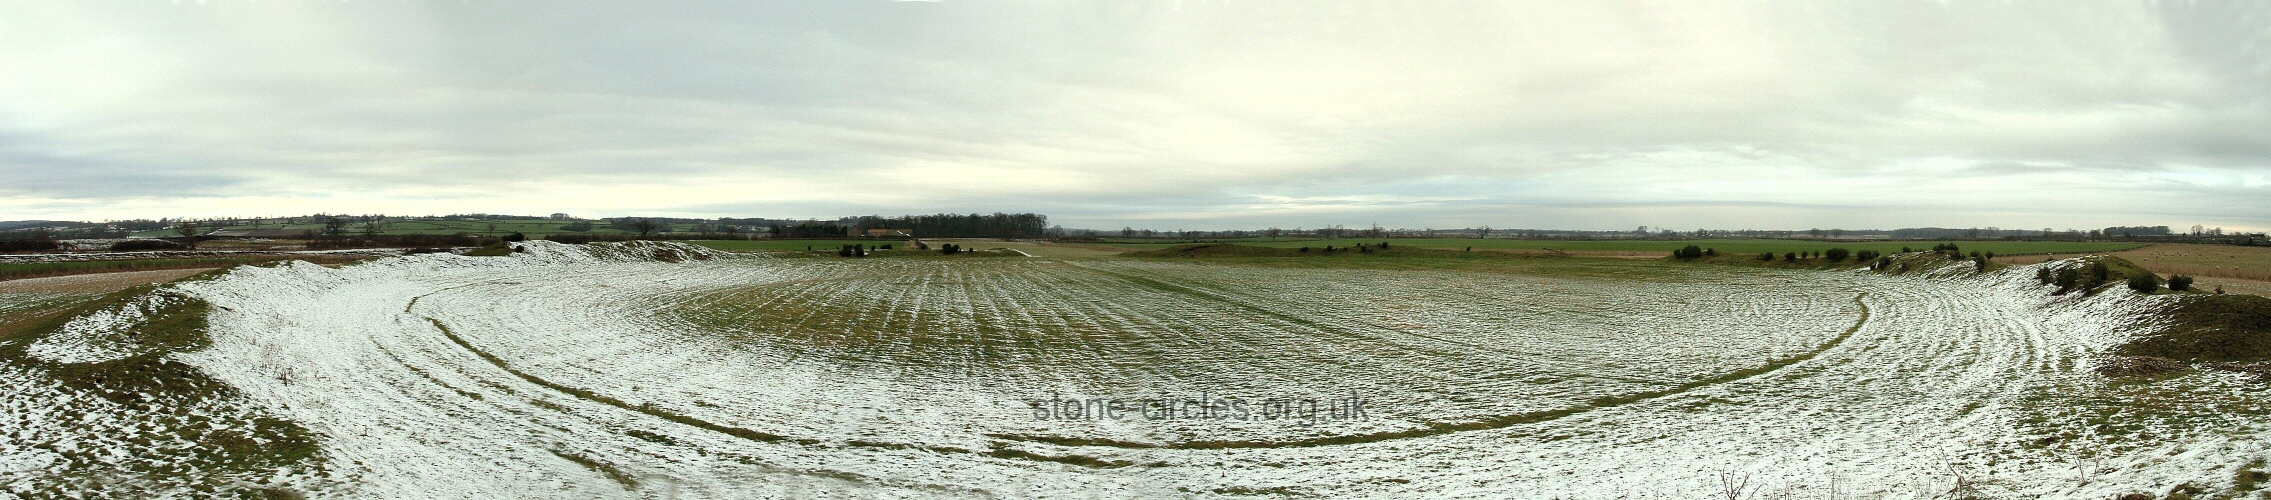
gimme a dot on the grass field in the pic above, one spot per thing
(607, 370)
(2221, 261)
(799, 245)
(39, 269)
(533, 228)
(1650, 247)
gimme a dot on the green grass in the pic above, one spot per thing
(1736, 246)
(2211, 328)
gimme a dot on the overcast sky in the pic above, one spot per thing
(1170, 115)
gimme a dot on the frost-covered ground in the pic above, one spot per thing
(600, 371)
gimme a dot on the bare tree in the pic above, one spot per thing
(188, 230)
(371, 230)
(1482, 232)
(334, 227)
(1273, 232)
(646, 227)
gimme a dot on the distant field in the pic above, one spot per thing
(2224, 261)
(751, 245)
(535, 228)
(1723, 245)
(39, 269)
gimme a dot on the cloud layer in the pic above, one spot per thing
(1167, 115)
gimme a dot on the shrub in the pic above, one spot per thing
(1789, 256)
(2179, 282)
(1866, 255)
(1905, 250)
(1838, 254)
(1688, 252)
(2042, 275)
(2145, 283)
(2067, 279)
(516, 236)
(1708, 252)
(2096, 275)
(30, 245)
(1979, 264)
(1766, 257)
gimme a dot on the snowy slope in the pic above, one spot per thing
(656, 369)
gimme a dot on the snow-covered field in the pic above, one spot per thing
(602, 371)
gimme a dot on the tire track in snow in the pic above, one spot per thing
(1192, 291)
(1500, 422)
(760, 436)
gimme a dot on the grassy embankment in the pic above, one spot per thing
(224, 453)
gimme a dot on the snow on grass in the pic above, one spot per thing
(620, 370)
(104, 334)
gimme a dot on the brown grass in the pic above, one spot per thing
(2245, 270)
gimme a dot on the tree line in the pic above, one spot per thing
(997, 225)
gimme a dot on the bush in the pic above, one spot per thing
(1979, 264)
(1688, 252)
(27, 245)
(2096, 275)
(2042, 275)
(142, 245)
(1789, 256)
(2145, 283)
(1708, 252)
(1838, 254)
(2067, 279)
(516, 236)
(2179, 282)
(1766, 257)
(1866, 255)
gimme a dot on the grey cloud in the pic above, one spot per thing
(1600, 115)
